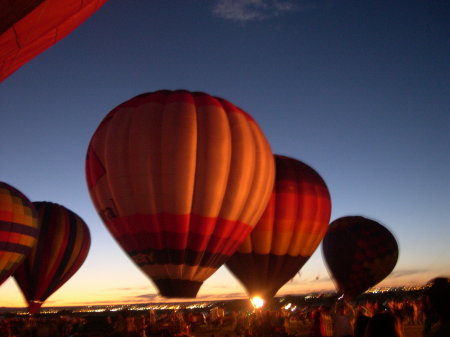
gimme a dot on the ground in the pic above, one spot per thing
(302, 330)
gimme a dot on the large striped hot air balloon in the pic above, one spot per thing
(28, 27)
(19, 229)
(359, 253)
(289, 231)
(179, 178)
(62, 247)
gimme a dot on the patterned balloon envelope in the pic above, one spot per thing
(62, 247)
(359, 253)
(179, 178)
(19, 229)
(289, 231)
(28, 27)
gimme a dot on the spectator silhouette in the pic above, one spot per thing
(384, 324)
(437, 308)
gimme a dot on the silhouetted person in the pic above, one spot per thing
(362, 319)
(343, 320)
(437, 308)
(322, 323)
(384, 324)
(315, 326)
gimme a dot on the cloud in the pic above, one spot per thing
(406, 272)
(148, 296)
(129, 288)
(156, 298)
(222, 296)
(98, 302)
(251, 10)
(308, 281)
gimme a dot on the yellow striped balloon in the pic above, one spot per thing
(18, 229)
(288, 233)
(179, 178)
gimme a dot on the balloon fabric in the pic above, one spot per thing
(289, 231)
(28, 27)
(180, 179)
(19, 229)
(62, 247)
(359, 253)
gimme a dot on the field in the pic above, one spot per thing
(300, 330)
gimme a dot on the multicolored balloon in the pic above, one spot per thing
(28, 27)
(359, 253)
(289, 231)
(19, 229)
(62, 247)
(180, 179)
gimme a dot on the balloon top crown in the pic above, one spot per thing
(196, 98)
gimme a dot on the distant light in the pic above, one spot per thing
(287, 306)
(257, 302)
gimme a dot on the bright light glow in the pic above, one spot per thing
(257, 302)
(287, 306)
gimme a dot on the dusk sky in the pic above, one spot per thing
(358, 90)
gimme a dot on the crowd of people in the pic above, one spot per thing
(387, 320)
(342, 319)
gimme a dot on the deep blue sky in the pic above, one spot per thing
(359, 90)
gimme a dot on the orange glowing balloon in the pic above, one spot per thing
(179, 178)
(28, 27)
(289, 231)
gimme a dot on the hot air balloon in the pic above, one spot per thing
(19, 229)
(179, 178)
(289, 231)
(359, 253)
(62, 247)
(27, 28)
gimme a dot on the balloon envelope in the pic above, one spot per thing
(62, 247)
(28, 27)
(289, 231)
(359, 253)
(19, 229)
(179, 178)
